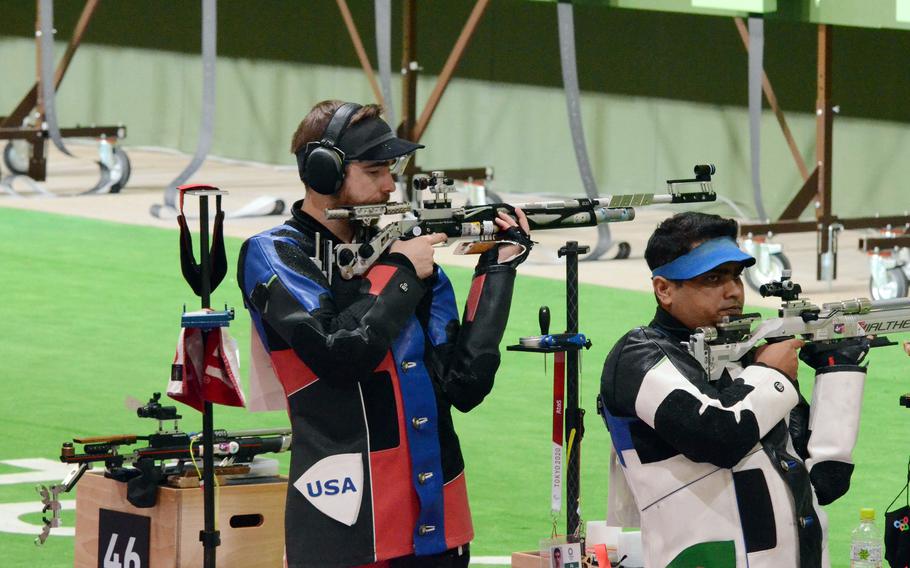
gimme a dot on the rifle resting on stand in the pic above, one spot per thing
(475, 224)
(169, 456)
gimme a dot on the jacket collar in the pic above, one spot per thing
(306, 223)
(671, 326)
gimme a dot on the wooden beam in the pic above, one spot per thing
(361, 52)
(772, 101)
(874, 222)
(451, 63)
(803, 198)
(809, 226)
(884, 243)
(28, 102)
(779, 227)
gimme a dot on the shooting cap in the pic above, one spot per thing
(706, 256)
(372, 140)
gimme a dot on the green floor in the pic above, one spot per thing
(90, 316)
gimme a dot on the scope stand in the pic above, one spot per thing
(574, 416)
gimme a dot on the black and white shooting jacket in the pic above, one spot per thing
(724, 471)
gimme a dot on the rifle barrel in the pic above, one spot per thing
(260, 432)
(893, 304)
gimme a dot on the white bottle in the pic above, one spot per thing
(866, 542)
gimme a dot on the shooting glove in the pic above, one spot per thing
(850, 351)
(514, 235)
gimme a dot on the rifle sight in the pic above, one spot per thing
(785, 289)
(154, 409)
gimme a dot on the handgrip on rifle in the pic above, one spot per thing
(543, 318)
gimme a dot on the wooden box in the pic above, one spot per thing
(176, 520)
(526, 560)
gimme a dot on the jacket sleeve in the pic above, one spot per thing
(469, 357)
(669, 392)
(799, 427)
(833, 429)
(338, 341)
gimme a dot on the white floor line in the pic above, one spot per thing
(491, 560)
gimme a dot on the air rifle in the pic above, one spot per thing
(829, 325)
(167, 452)
(475, 225)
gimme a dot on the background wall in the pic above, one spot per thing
(661, 91)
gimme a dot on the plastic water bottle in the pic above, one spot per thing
(866, 542)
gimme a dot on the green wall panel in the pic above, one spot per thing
(660, 91)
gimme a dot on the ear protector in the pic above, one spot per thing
(321, 164)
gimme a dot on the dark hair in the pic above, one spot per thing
(314, 123)
(677, 235)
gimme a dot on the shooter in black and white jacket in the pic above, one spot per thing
(729, 470)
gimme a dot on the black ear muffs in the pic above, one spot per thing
(321, 164)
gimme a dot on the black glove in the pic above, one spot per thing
(850, 351)
(512, 235)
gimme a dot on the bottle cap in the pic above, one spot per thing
(867, 514)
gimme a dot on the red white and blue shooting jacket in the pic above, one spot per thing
(371, 368)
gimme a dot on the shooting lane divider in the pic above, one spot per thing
(207, 124)
(383, 11)
(262, 205)
(46, 71)
(756, 68)
(569, 66)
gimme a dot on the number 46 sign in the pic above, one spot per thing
(123, 540)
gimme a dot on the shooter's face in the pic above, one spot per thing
(705, 299)
(366, 183)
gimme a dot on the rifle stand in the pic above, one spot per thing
(209, 537)
(251, 517)
(566, 348)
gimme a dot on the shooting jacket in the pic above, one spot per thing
(726, 472)
(371, 368)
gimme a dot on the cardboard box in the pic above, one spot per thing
(526, 559)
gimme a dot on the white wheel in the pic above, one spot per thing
(15, 156)
(894, 285)
(120, 171)
(776, 265)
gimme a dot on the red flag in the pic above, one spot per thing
(205, 373)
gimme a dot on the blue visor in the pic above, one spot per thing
(703, 258)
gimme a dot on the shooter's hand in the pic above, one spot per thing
(419, 251)
(517, 231)
(781, 356)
